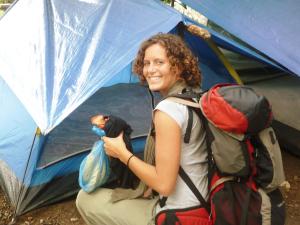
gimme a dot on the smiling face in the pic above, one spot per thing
(157, 69)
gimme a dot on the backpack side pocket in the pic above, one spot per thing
(270, 172)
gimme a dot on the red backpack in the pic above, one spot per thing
(244, 157)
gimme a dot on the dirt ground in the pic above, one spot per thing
(65, 213)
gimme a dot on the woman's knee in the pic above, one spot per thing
(96, 199)
(80, 199)
(93, 207)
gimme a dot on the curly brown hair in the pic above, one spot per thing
(179, 55)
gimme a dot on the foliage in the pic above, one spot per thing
(167, 1)
(6, 1)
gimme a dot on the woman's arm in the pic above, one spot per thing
(161, 177)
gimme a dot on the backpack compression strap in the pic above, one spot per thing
(193, 188)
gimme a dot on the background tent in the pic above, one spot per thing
(66, 62)
(271, 28)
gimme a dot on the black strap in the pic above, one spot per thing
(162, 201)
(171, 219)
(209, 139)
(189, 95)
(194, 189)
(188, 131)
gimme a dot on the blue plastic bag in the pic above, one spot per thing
(94, 170)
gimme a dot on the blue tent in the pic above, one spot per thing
(63, 61)
(272, 27)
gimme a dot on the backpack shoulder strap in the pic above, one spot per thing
(184, 101)
(186, 98)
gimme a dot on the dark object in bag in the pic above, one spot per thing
(121, 175)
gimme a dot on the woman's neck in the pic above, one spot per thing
(176, 88)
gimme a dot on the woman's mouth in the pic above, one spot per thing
(154, 78)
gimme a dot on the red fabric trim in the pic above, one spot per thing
(222, 114)
(196, 216)
(214, 179)
(250, 181)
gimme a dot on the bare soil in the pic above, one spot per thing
(65, 213)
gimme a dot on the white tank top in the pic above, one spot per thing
(193, 158)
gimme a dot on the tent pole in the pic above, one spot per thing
(205, 35)
(14, 217)
(223, 59)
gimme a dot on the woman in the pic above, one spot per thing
(168, 66)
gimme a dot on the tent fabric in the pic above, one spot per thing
(272, 27)
(50, 63)
(17, 131)
(131, 103)
(225, 42)
(69, 49)
(27, 170)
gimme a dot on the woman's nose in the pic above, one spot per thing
(151, 68)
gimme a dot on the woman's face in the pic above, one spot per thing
(157, 69)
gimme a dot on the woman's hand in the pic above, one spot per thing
(115, 147)
(163, 176)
